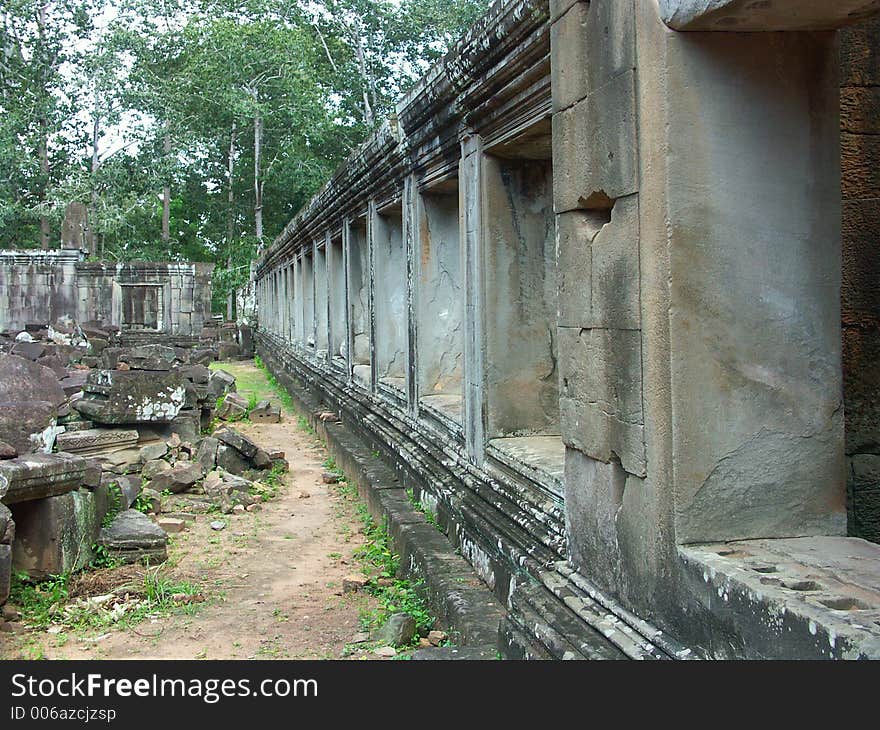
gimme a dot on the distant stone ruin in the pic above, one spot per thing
(145, 302)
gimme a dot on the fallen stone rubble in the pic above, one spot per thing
(95, 438)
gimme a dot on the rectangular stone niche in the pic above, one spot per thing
(321, 312)
(336, 283)
(521, 377)
(440, 301)
(359, 299)
(390, 306)
(308, 310)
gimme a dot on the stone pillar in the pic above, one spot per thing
(411, 247)
(372, 215)
(471, 214)
(349, 325)
(698, 223)
(860, 297)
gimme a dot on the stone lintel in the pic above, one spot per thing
(751, 16)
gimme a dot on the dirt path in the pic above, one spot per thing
(273, 578)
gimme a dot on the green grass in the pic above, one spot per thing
(48, 602)
(252, 385)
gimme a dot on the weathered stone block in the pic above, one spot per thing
(179, 478)
(23, 380)
(234, 407)
(865, 496)
(591, 43)
(860, 165)
(231, 460)
(860, 109)
(859, 293)
(5, 519)
(601, 395)
(133, 537)
(150, 357)
(5, 571)
(97, 441)
(132, 396)
(55, 535)
(575, 231)
(859, 60)
(206, 452)
(38, 476)
(748, 15)
(221, 383)
(265, 412)
(615, 269)
(595, 148)
(29, 426)
(238, 441)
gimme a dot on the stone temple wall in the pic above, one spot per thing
(592, 275)
(860, 295)
(161, 299)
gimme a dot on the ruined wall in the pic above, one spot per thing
(40, 287)
(860, 295)
(648, 282)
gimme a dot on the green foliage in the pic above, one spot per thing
(396, 595)
(102, 558)
(175, 95)
(48, 602)
(143, 504)
(114, 503)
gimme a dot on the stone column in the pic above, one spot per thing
(471, 235)
(411, 248)
(372, 215)
(349, 325)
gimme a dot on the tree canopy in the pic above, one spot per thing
(195, 129)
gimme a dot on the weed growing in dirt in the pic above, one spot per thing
(396, 595)
(52, 602)
(269, 484)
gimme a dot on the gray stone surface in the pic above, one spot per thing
(150, 357)
(601, 398)
(265, 412)
(133, 537)
(37, 476)
(231, 459)
(153, 451)
(97, 442)
(133, 396)
(597, 156)
(155, 467)
(398, 630)
(180, 477)
(749, 16)
(206, 452)
(29, 426)
(22, 380)
(237, 440)
(54, 535)
(5, 572)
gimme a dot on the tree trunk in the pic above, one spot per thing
(43, 147)
(362, 67)
(258, 183)
(91, 243)
(166, 194)
(230, 222)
